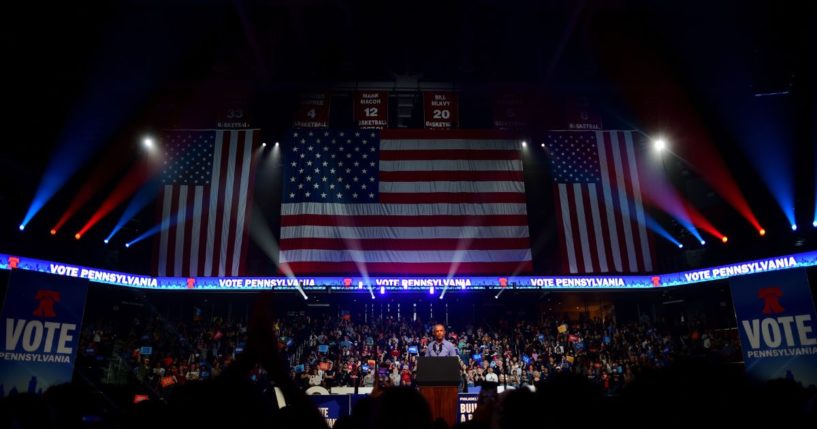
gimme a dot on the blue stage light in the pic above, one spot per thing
(653, 225)
(142, 198)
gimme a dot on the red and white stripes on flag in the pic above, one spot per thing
(444, 203)
(206, 200)
(600, 213)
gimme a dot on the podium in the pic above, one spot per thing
(438, 379)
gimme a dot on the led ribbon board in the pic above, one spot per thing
(798, 260)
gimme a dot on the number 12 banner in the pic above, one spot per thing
(441, 110)
(372, 109)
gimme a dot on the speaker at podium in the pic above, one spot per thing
(438, 379)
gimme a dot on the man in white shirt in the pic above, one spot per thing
(491, 377)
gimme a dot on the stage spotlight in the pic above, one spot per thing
(105, 241)
(382, 290)
(53, 232)
(659, 145)
(148, 143)
(431, 290)
(762, 232)
(77, 236)
(703, 242)
(543, 145)
(22, 227)
(794, 227)
(724, 239)
(276, 143)
(814, 224)
(524, 143)
(680, 246)
(127, 244)
(264, 144)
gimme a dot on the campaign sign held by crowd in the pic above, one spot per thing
(466, 406)
(777, 325)
(331, 407)
(42, 318)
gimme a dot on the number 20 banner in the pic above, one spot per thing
(372, 109)
(441, 110)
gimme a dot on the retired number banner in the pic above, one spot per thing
(441, 110)
(313, 111)
(372, 109)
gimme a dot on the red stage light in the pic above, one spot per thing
(125, 188)
(53, 232)
(724, 239)
(77, 236)
(762, 232)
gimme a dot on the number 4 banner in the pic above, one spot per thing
(372, 109)
(313, 111)
(441, 110)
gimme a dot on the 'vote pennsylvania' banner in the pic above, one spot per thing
(42, 318)
(777, 325)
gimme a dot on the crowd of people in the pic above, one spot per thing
(345, 353)
(340, 351)
(216, 373)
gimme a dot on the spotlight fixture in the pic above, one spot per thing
(659, 145)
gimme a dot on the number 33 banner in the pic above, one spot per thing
(372, 109)
(441, 110)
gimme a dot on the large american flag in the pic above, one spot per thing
(403, 202)
(598, 197)
(205, 201)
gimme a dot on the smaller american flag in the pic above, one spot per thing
(205, 194)
(601, 216)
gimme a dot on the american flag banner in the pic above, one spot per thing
(206, 198)
(403, 202)
(598, 199)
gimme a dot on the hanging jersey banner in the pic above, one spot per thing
(372, 109)
(441, 110)
(582, 116)
(313, 111)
